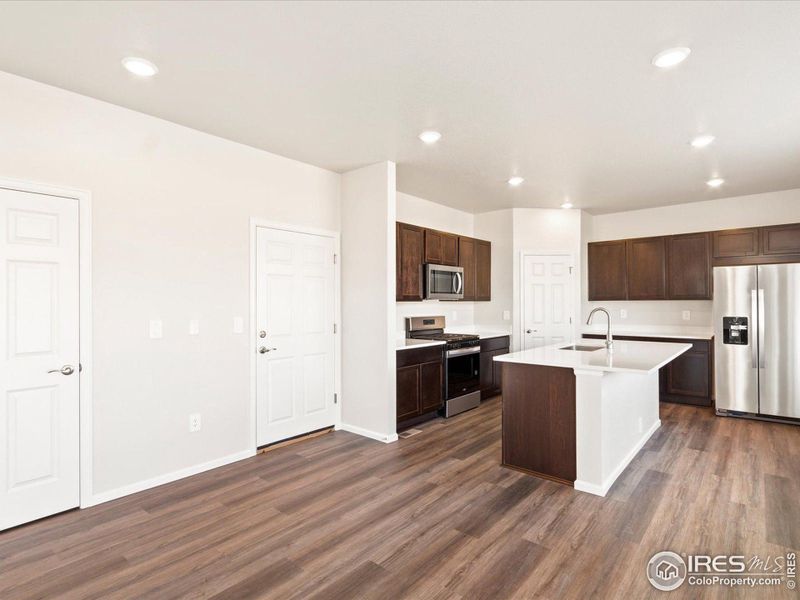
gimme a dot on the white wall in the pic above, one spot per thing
(170, 241)
(726, 213)
(368, 290)
(498, 228)
(418, 211)
(544, 231)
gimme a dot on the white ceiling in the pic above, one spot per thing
(562, 94)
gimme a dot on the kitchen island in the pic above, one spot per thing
(580, 416)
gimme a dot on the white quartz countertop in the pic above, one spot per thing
(405, 344)
(688, 332)
(633, 357)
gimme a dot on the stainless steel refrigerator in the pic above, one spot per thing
(757, 340)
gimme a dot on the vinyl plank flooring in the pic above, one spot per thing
(432, 517)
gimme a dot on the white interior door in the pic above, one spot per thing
(546, 300)
(39, 333)
(295, 347)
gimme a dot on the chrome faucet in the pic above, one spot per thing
(609, 339)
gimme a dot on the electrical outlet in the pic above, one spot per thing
(455, 316)
(194, 327)
(641, 425)
(687, 315)
(506, 315)
(156, 330)
(195, 422)
(623, 314)
(238, 325)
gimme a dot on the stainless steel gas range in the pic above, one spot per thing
(462, 370)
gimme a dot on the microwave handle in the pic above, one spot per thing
(460, 278)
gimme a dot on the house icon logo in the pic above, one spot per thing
(666, 571)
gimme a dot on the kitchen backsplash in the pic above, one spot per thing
(457, 314)
(658, 313)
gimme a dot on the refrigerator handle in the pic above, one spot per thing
(755, 321)
(761, 348)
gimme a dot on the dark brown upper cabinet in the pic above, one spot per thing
(647, 268)
(736, 243)
(483, 268)
(441, 248)
(689, 267)
(410, 249)
(608, 278)
(780, 240)
(467, 260)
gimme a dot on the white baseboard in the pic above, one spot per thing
(374, 435)
(140, 486)
(602, 490)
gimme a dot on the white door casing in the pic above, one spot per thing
(39, 332)
(295, 312)
(547, 299)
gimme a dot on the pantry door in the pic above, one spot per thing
(39, 340)
(295, 341)
(546, 300)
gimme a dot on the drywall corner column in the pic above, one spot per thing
(369, 207)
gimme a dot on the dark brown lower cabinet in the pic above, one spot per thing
(689, 379)
(420, 384)
(491, 372)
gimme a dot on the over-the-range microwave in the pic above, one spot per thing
(443, 282)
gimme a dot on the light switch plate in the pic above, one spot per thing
(687, 315)
(238, 325)
(156, 329)
(194, 327)
(506, 315)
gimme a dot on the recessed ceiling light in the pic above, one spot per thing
(716, 182)
(670, 57)
(139, 66)
(567, 204)
(701, 141)
(515, 181)
(430, 137)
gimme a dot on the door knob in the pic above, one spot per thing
(264, 349)
(65, 370)
(531, 330)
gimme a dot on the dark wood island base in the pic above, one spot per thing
(538, 432)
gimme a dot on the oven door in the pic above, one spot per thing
(463, 371)
(443, 282)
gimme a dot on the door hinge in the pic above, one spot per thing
(570, 270)
(334, 328)
(334, 259)
(336, 398)
(570, 320)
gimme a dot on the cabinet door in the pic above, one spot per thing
(431, 386)
(408, 387)
(736, 243)
(689, 267)
(608, 278)
(497, 369)
(780, 239)
(449, 249)
(483, 268)
(410, 248)
(487, 371)
(467, 260)
(647, 268)
(688, 375)
(433, 247)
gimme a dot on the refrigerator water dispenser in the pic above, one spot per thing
(734, 330)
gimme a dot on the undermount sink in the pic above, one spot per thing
(580, 348)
